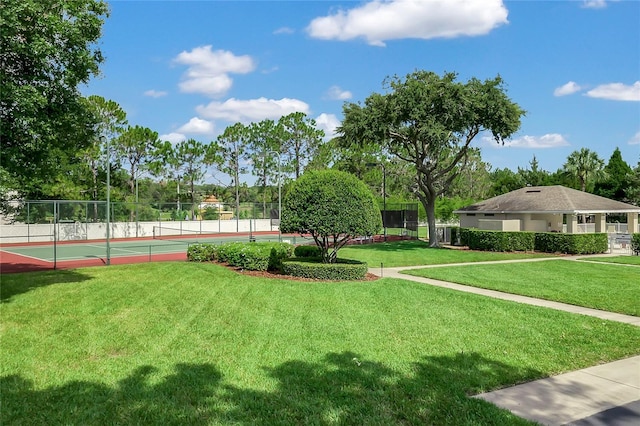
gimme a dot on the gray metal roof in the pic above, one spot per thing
(549, 199)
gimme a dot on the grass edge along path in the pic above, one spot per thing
(595, 285)
(178, 343)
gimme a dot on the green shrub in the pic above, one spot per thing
(456, 237)
(500, 240)
(331, 206)
(260, 256)
(635, 242)
(201, 253)
(550, 242)
(307, 251)
(464, 236)
(312, 267)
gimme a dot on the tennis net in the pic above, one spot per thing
(167, 233)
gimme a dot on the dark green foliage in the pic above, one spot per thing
(500, 240)
(455, 235)
(333, 207)
(49, 48)
(635, 243)
(260, 256)
(343, 269)
(307, 251)
(616, 180)
(201, 253)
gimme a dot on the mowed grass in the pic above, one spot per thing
(614, 288)
(624, 260)
(417, 252)
(189, 343)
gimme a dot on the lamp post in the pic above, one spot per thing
(384, 195)
(108, 198)
(279, 194)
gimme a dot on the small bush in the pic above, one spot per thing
(201, 253)
(307, 251)
(260, 256)
(635, 243)
(344, 269)
(456, 237)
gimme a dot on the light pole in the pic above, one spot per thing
(279, 194)
(108, 198)
(384, 195)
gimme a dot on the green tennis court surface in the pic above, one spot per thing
(89, 250)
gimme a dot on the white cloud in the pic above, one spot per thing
(378, 20)
(594, 4)
(337, 94)
(284, 30)
(235, 110)
(616, 92)
(550, 140)
(567, 89)
(197, 125)
(635, 140)
(155, 93)
(208, 70)
(328, 123)
(173, 137)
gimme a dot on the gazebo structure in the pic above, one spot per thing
(547, 209)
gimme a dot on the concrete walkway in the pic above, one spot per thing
(607, 394)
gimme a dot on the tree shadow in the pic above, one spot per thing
(346, 389)
(179, 399)
(15, 284)
(343, 388)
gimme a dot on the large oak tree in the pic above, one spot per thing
(430, 121)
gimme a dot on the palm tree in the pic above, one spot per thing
(585, 165)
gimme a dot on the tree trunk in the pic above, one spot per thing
(430, 208)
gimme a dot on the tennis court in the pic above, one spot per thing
(18, 258)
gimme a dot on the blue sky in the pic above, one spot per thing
(188, 69)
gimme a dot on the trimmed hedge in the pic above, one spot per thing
(548, 242)
(456, 237)
(201, 253)
(500, 240)
(310, 267)
(307, 251)
(256, 256)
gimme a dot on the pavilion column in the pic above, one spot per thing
(572, 223)
(601, 223)
(632, 223)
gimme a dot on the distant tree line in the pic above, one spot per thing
(416, 137)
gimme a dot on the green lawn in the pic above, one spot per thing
(625, 260)
(416, 252)
(614, 288)
(188, 343)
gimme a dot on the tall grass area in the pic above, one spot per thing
(190, 343)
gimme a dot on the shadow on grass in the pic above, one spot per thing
(14, 284)
(341, 389)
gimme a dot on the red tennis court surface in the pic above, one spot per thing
(28, 257)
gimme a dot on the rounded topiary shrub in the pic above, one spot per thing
(313, 267)
(331, 206)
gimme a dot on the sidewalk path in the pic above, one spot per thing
(607, 394)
